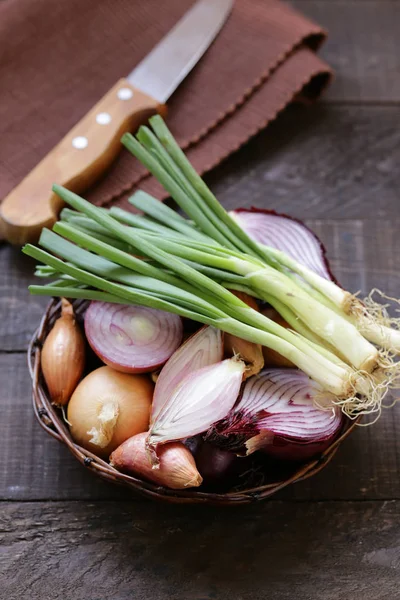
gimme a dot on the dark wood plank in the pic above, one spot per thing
(277, 550)
(364, 255)
(362, 47)
(33, 464)
(320, 162)
(20, 312)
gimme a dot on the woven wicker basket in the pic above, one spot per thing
(50, 418)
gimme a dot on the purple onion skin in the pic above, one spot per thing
(285, 449)
(216, 466)
(193, 443)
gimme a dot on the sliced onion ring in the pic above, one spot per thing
(132, 339)
(287, 234)
(202, 349)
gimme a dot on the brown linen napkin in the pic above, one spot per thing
(58, 58)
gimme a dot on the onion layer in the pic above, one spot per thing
(278, 413)
(132, 339)
(203, 398)
(202, 349)
(287, 234)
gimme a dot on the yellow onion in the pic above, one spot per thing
(63, 356)
(177, 469)
(251, 353)
(107, 408)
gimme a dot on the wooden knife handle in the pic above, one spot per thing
(76, 162)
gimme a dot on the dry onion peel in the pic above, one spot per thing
(251, 353)
(201, 399)
(63, 356)
(177, 468)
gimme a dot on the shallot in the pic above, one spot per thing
(177, 468)
(251, 353)
(63, 356)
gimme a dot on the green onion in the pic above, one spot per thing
(186, 266)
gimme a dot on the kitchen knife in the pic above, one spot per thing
(92, 145)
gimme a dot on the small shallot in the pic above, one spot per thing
(215, 465)
(63, 356)
(251, 353)
(177, 468)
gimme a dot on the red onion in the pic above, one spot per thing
(278, 413)
(287, 234)
(214, 464)
(202, 349)
(132, 339)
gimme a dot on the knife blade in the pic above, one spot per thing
(93, 143)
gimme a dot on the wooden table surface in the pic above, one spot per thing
(67, 535)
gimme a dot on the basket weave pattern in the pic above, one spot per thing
(51, 420)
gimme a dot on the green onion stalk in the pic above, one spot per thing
(189, 265)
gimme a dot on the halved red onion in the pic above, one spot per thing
(132, 339)
(203, 397)
(278, 413)
(287, 234)
(202, 349)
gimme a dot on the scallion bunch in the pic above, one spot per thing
(188, 265)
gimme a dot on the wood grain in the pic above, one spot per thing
(364, 254)
(278, 550)
(20, 312)
(321, 162)
(362, 47)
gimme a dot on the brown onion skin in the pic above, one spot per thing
(271, 357)
(251, 353)
(177, 466)
(107, 385)
(63, 356)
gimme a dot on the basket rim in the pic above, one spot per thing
(49, 418)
